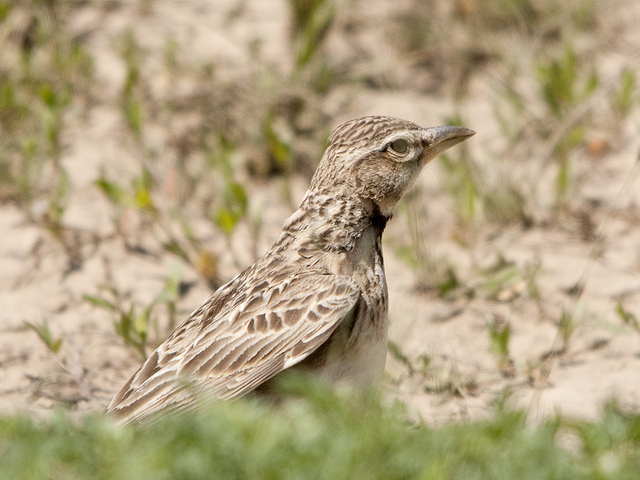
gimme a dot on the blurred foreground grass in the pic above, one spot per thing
(320, 435)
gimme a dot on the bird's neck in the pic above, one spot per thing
(337, 222)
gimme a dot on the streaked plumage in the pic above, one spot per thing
(317, 299)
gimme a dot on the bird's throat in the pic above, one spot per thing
(379, 220)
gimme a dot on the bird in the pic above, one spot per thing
(317, 301)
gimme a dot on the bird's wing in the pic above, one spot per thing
(239, 342)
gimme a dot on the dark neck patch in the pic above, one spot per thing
(378, 220)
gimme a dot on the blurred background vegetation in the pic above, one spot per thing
(119, 130)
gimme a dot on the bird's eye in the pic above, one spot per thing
(400, 146)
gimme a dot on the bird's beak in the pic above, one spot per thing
(438, 139)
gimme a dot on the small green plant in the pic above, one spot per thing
(627, 317)
(419, 365)
(135, 323)
(114, 192)
(57, 205)
(233, 208)
(278, 148)
(137, 197)
(450, 284)
(130, 99)
(562, 151)
(503, 280)
(43, 331)
(625, 96)
(530, 273)
(566, 327)
(564, 86)
(310, 25)
(132, 322)
(499, 336)
(396, 352)
(55, 102)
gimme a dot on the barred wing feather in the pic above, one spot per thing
(238, 340)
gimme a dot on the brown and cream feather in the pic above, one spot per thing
(317, 299)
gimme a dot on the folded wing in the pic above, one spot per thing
(238, 340)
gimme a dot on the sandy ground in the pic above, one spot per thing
(462, 378)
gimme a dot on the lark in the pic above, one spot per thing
(317, 300)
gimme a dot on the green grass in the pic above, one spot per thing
(319, 436)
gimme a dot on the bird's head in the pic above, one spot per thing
(378, 158)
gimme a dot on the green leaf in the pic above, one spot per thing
(394, 350)
(627, 317)
(312, 20)
(592, 83)
(278, 148)
(451, 282)
(501, 280)
(235, 207)
(47, 95)
(112, 190)
(45, 335)
(226, 220)
(133, 114)
(624, 97)
(99, 302)
(499, 336)
(174, 247)
(236, 198)
(141, 322)
(142, 196)
(142, 200)
(567, 325)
